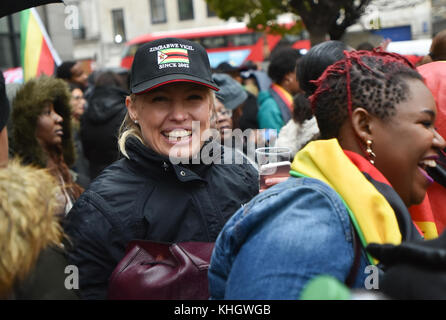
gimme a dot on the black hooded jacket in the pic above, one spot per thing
(100, 125)
(147, 197)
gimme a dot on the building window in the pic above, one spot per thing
(186, 9)
(10, 41)
(76, 20)
(118, 25)
(158, 11)
(211, 13)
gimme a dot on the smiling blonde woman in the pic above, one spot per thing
(148, 194)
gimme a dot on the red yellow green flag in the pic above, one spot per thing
(284, 95)
(37, 52)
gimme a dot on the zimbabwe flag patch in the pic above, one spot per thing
(173, 55)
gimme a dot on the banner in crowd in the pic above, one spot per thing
(37, 52)
(13, 75)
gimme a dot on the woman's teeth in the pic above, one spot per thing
(177, 135)
(428, 163)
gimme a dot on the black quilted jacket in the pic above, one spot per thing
(146, 197)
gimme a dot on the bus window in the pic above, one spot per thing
(291, 38)
(247, 39)
(130, 50)
(214, 42)
(197, 40)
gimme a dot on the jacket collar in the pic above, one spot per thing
(160, 165)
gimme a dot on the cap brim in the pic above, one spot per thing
(171, 78)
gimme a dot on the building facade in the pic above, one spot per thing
(105, 25)
(398, 20)
(438, 16)
(95, 31)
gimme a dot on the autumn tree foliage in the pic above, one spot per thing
(321, 18)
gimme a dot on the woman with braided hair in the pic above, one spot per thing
(347, 190)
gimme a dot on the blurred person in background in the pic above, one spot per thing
(318, 58)
(434, 74)
(229, 103)
(226, 67)
(72, 72)
(100, 123)
(254, 78)
(231, 98)
(365, 46)
(77, 102)
(276, 104)
(248, 79)
(430, 214)
(4, 115)
(42, 133)
(437, 51)
(32, 261)
(303, 128)
(81, 165)
(11, 90)
(244, 117)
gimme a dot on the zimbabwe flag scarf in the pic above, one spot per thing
(284, 101)
(376, 211)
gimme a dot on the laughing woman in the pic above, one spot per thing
(147, 194)
(351, 188)
(42, 133)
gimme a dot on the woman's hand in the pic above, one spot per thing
(269, 182)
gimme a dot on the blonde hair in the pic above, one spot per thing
(129, 128)
(27, 220)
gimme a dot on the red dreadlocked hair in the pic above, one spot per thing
(373, 80)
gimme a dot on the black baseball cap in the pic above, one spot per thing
(168, 60)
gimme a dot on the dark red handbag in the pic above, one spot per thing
(162, 271)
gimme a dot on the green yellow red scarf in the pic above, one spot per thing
(286, 97)
(376, 211)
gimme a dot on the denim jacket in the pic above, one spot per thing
(285, 236)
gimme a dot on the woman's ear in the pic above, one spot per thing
(362, 123)
(131, 108)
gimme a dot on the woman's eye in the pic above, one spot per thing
(427, 124)
(194, 97)
(159, 99)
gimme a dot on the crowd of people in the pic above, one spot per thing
(92, 162)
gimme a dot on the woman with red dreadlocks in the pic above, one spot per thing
(347, 190)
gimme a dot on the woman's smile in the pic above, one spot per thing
(177, 135)
(173, 118)
(428, 162)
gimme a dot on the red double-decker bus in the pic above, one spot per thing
(233, 43)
